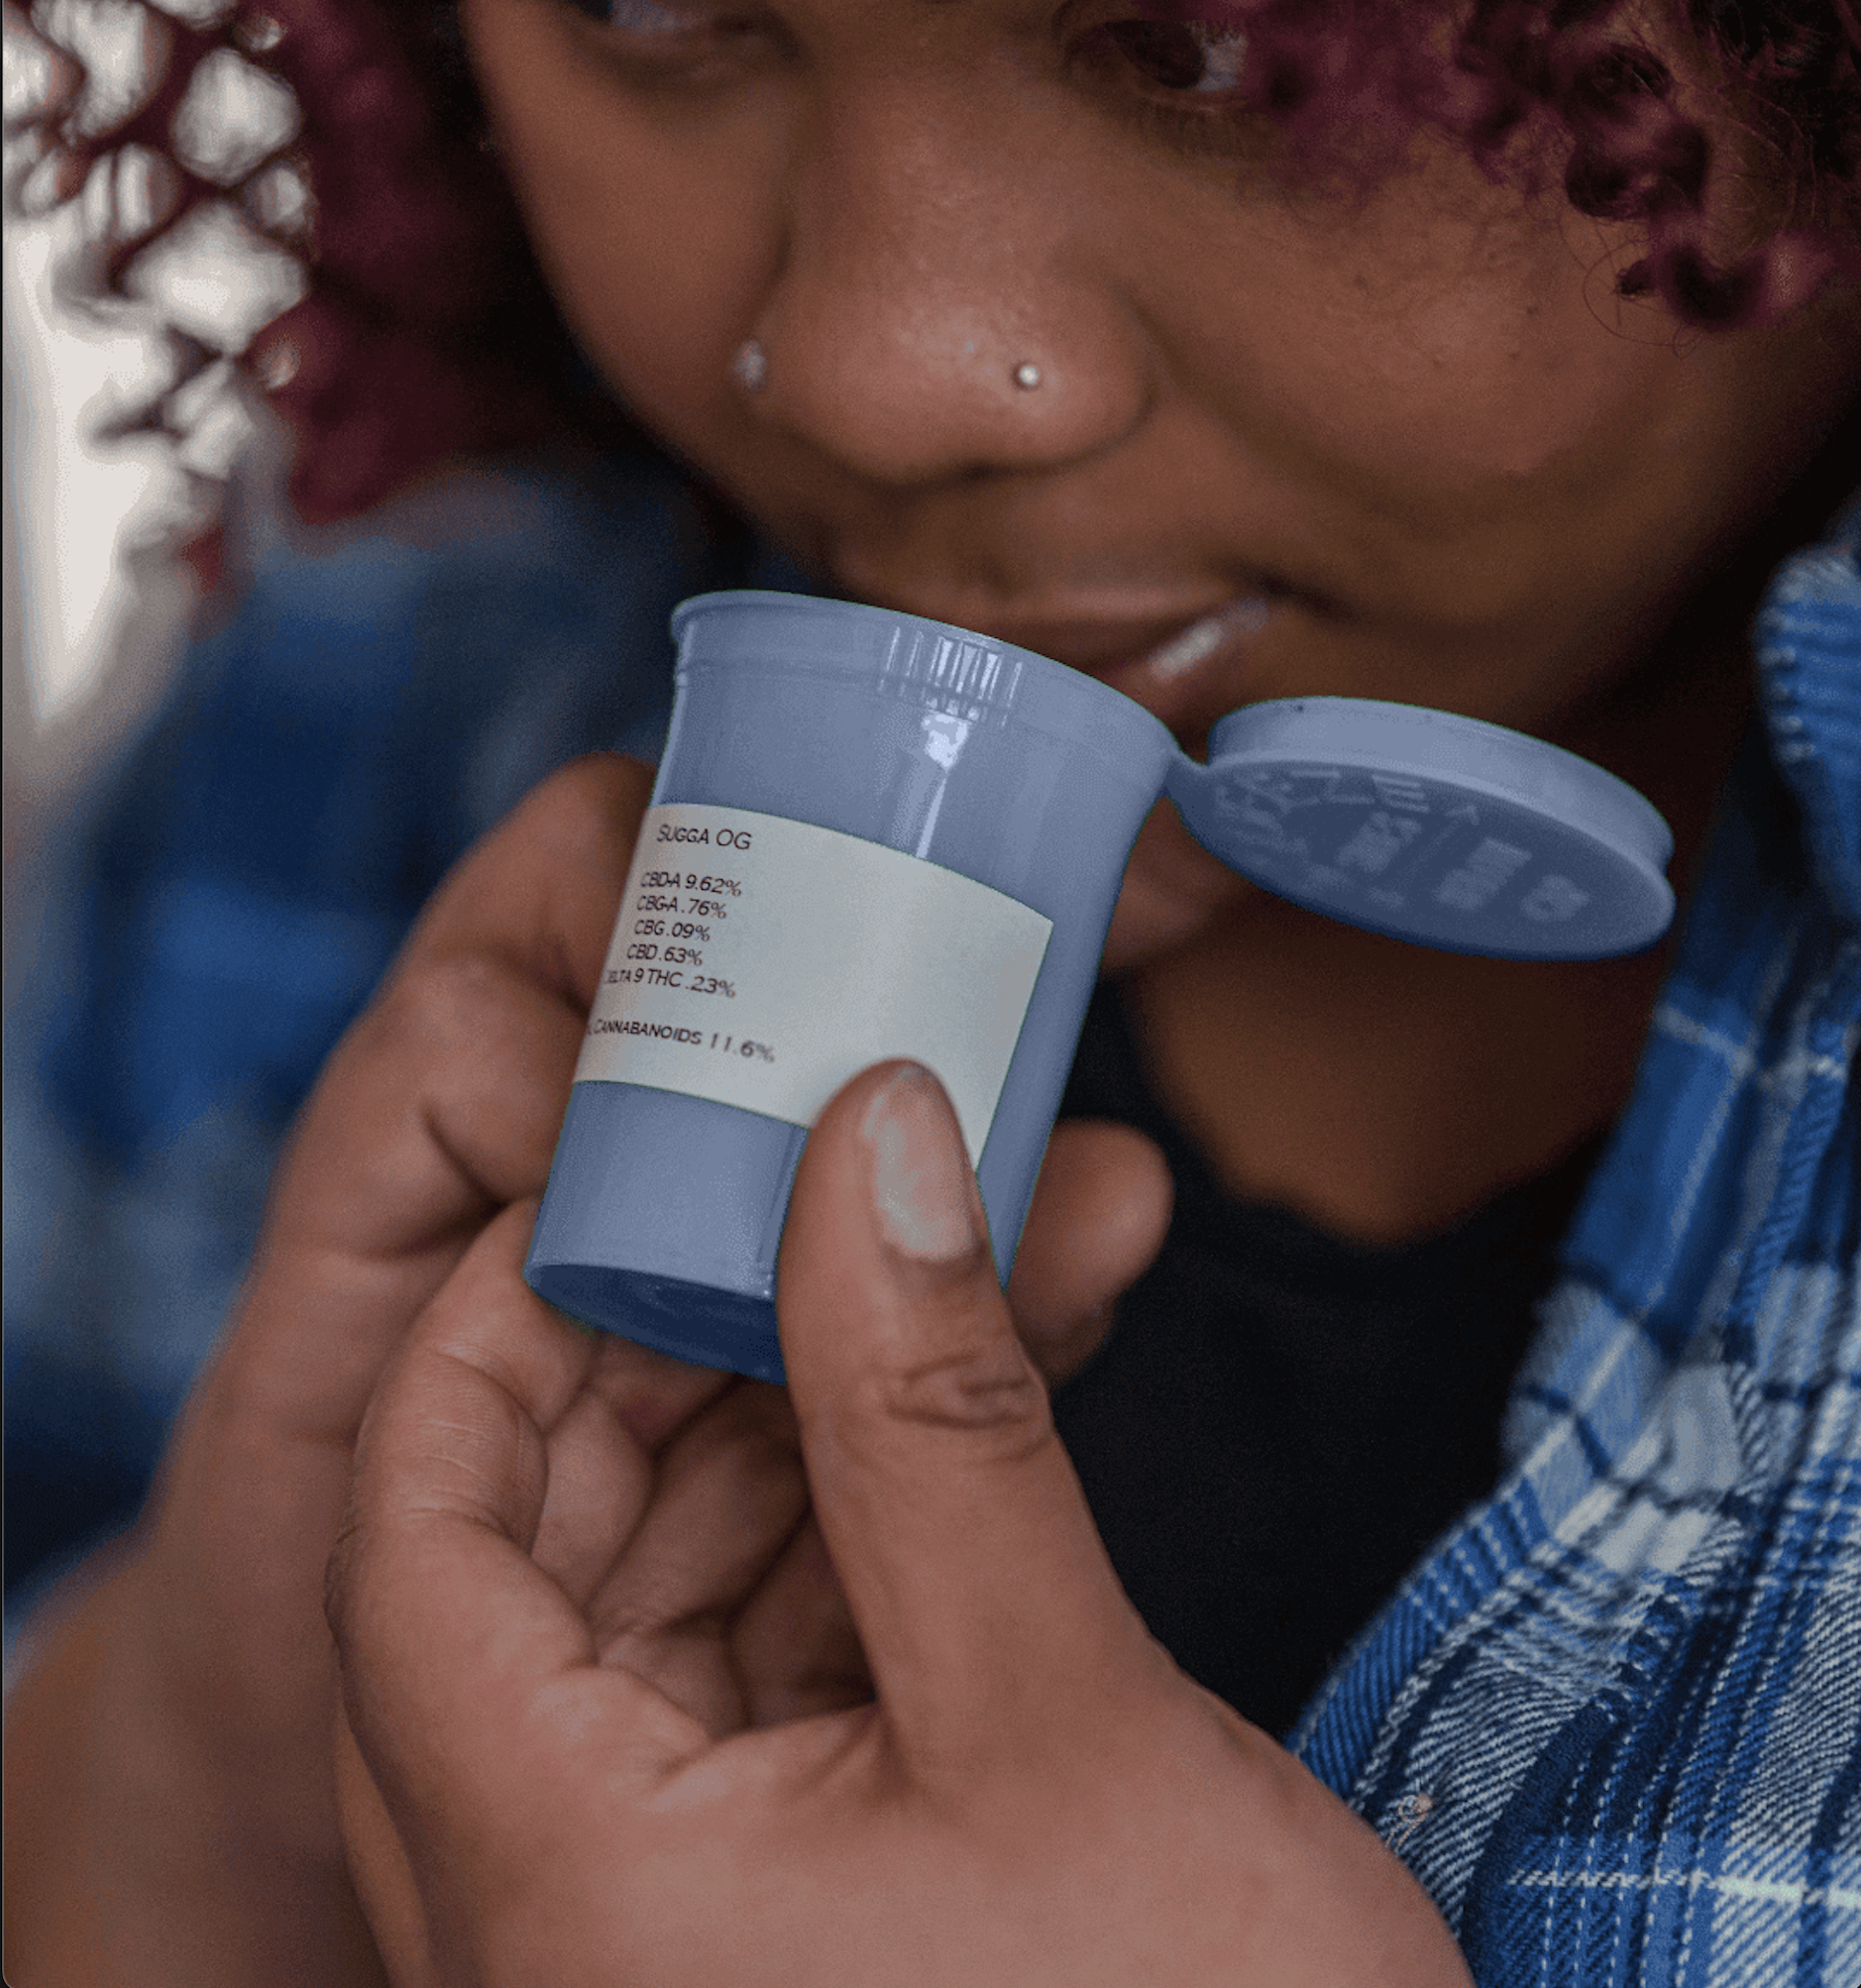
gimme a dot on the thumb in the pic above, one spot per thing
(971, 1562)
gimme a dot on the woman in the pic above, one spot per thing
(1488, 363)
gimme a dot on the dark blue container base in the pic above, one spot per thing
(662, 1223)
(694, 1322)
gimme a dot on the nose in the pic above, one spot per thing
(940, 308)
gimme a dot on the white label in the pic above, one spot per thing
(761, 963)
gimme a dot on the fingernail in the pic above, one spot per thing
(923, 1192)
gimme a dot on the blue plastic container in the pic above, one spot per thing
(664, 1210)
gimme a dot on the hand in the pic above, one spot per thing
(168, 1761)
(172, 1740)
(542, 1786)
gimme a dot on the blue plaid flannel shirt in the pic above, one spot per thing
(1613, 1722)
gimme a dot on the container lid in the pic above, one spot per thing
(1431, 827)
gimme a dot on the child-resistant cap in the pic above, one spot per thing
(1430, 827)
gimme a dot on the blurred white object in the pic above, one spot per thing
(91, 634)
(91, 629)
(69, 499)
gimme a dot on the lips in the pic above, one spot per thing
(1180, 651)
(1206, 637)
(1162, 661)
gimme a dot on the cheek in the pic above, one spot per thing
(658, 322)
(1475, 392)
(1489, 369)
(655, 234)
(1462, 419)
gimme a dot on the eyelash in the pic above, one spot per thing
(666, 45)
(661, 43)
(648, 18)
(1192, 118)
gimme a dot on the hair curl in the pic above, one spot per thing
(1572, 90)
(426, 332)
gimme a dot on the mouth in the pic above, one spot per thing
(1166, 661)
(1205, 637)
(1186, 670)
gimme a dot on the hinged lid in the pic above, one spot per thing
(1431, 827)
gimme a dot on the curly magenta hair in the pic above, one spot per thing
(425, 332)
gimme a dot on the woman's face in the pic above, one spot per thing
(1410, 446)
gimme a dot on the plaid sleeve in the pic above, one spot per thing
(1613, 1722)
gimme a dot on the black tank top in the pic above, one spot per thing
(1281, 1421)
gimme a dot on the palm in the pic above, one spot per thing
(699, 1570)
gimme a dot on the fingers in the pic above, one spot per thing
(540, 891)
(971, 1562)
(458, 1073)
(510, 1530)
(379, 1869)
(441, 1105)
(1100, 1213)
(729, 1497)
(457, 1433)
(795, 1646)
(450, 1637)
(600, 1458)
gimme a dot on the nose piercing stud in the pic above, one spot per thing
(1027, 375)
(749, 366)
